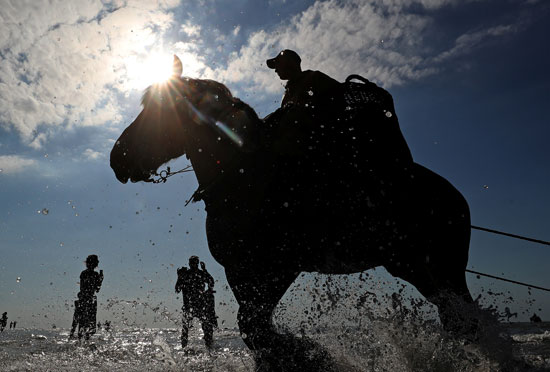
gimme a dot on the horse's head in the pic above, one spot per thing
(199, 118)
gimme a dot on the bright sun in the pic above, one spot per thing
(155, 68)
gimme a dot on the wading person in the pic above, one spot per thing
(85, 308)
(3, 321)
(197, 288)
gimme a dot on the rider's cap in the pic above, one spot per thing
(286, 54)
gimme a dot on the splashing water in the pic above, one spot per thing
(379, 345)
(360, 328)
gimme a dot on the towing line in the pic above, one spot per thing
(508, 280)
(512, 236)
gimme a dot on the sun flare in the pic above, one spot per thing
(157, 66)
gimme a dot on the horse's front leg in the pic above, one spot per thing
(258, 294)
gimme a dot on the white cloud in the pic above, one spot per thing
(191, 30)
(92, 154)
(469, 41)
(61, 60)
(10, 164)
(236, 30)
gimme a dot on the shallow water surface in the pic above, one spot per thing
(377, 346)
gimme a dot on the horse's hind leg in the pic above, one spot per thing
(440, 249)
(447, 289)
(457, 309)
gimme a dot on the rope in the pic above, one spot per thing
(511, 235)
(508, 280)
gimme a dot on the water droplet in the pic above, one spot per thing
(18, 280)
(285, 204)
(241, 170)
(310, 92)
(388, 114)
(200, 150)
(44, 211)
(61, 244)
(485, 186)
(348, 108)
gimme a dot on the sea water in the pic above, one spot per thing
(379, 345)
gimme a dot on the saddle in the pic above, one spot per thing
(354, 127)
(374, 137)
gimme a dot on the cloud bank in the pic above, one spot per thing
(384, 41)
(70, 64)
(62, 61)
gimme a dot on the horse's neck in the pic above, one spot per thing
(226, 185)
(211, 159)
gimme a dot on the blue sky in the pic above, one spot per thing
(469, 79)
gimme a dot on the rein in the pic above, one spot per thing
(202, 189)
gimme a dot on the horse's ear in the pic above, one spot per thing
(178, 67)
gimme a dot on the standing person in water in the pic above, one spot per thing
(197, 287)
(86, 306)
(3, 321)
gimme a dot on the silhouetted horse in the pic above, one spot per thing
(265, 224)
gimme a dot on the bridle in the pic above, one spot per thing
(165, 173)
(203, 188)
